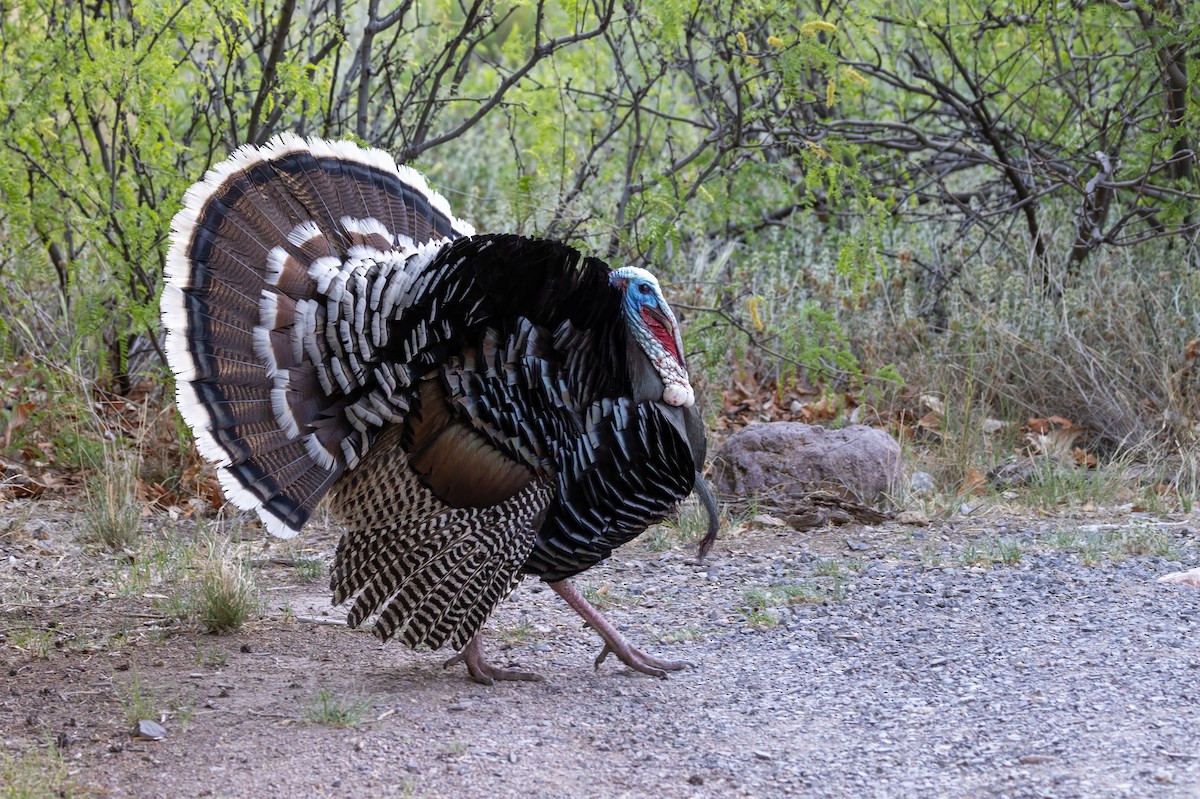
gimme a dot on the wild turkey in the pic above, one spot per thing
(480, 407)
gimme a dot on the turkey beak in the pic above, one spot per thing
(660, 317)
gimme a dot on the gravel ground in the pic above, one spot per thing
(878, 662)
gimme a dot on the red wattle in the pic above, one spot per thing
(660, 332)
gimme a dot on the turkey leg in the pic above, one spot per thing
(483, 672)
(614, 642)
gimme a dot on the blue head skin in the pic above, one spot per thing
(653, 327)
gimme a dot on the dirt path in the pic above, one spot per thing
(887, 665)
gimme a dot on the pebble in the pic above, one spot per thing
(921, 483)
(1035, 760)
(146, 730)
(1043, 678)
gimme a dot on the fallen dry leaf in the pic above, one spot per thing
(934, 404)
(825, 408)
(974, 482)
(20, 415)
(1057, 444)
(931, 422)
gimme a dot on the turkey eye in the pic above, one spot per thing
(644, 288)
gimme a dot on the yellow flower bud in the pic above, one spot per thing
(816, 148)
(812, 28)
(752, 306)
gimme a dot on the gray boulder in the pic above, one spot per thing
(794, 459)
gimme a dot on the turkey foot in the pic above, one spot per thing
(481, 671)
(614, 642)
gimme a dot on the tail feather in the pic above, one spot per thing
(465, 612)
(265, 340)
(428, 573)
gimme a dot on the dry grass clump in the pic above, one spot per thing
(226, 594)
(113, 517)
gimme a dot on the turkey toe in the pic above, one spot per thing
(484, 673)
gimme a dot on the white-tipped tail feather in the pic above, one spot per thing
(251, 378)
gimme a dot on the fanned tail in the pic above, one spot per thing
(285, 264)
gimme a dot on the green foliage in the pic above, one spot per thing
(36, 774)
(1117, 543)
(33, 643)
(1053, 484)
(311, 570)
(336, 711)
(1004, 551)
(136, 701)
(863, 174)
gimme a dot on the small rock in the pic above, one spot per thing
(806, 521)
(856, 546)
(761, 755)
(768, 520)
(695, 779)
(1036, 760)
(245, 648)
(1191, 578)
(146, 730)
(460, 706)
(838, 516)
(921, 483)
(915, 518)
